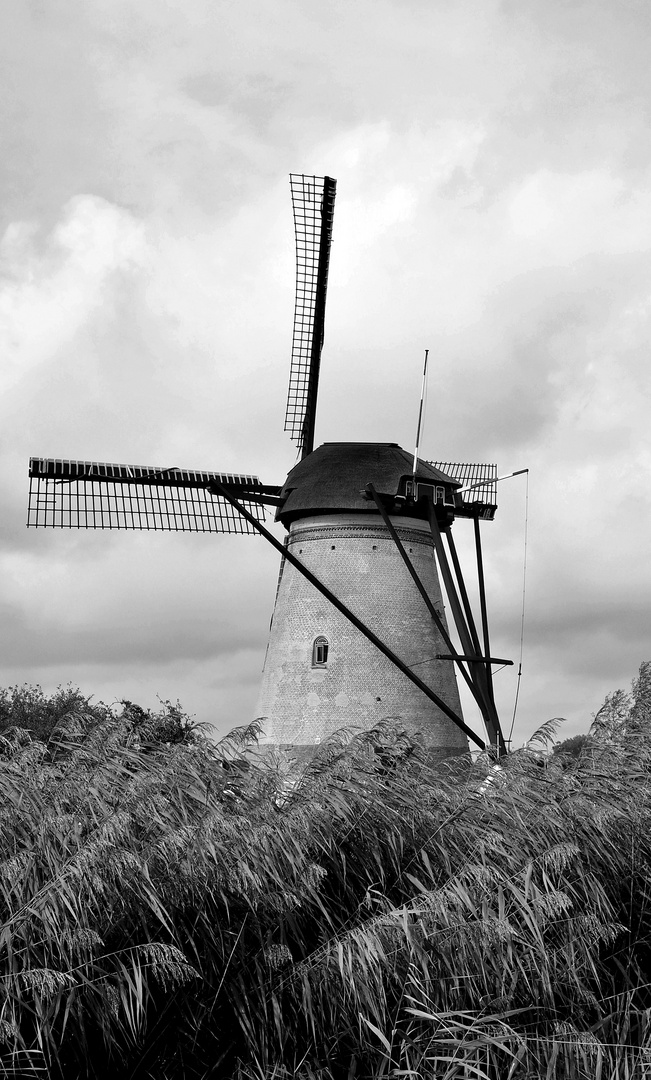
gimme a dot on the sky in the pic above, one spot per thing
(493, 205)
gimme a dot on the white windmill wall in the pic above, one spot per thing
(356, 558)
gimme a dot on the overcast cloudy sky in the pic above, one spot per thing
(493, 163)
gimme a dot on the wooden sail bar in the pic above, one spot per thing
(61, 469)
(103, 495)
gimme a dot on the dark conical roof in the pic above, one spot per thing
(333, 477)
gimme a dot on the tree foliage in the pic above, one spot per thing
(29, 708)
(197, 909)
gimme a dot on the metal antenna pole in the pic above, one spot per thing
(420, 418)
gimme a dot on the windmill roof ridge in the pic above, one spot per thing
(332, 478)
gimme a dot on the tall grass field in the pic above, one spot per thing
(173, 908)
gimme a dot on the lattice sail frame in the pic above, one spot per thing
(98, 495)
(468, 474)
(313, 206)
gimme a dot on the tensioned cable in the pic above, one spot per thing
(524, 592)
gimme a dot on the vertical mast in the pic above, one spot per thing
(420, 418)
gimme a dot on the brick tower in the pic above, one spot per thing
(320, 672)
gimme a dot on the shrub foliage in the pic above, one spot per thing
(176, 908)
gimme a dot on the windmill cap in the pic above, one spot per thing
(332, 478)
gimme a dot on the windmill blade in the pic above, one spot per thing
(313, 200)
(482, 500)
(98, 495)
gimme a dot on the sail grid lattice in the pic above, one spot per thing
(95, 495)
(485, 476)
(313, 206)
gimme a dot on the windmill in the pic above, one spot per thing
(358, 631)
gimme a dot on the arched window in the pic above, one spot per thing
(320, 652)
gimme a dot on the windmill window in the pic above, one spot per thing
(426, 491)
(440, 494)
(320, 652)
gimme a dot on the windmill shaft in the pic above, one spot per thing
(348, 614)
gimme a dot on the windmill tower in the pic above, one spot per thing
(358, 632)
(320, 673)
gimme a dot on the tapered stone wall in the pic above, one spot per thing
(300, 703)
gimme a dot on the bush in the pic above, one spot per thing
(572, 748)
(28, 707)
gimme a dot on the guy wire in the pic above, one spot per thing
(524, 591)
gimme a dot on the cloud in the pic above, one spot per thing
(492, 161)
(50, 294)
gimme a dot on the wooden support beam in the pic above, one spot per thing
(482, 669)
(438, 622)
(482, 603)
(463, 592)
(470, 646)
(467, 643)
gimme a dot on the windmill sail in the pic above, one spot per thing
(482, 500)
(313, 199)
(98, 495)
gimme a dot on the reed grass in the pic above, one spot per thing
(176, 908)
